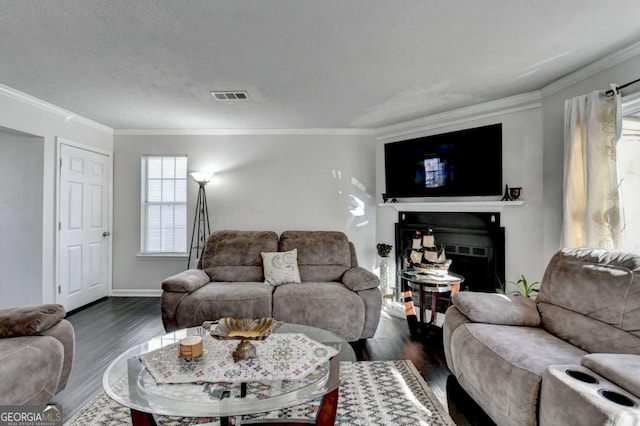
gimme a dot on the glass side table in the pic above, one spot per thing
(435, 284)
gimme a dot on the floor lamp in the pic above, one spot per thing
(201, 229)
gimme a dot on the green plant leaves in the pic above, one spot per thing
(523, 288)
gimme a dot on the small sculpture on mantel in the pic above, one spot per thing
(506, 196)
(515, 193)
(511, 194)
(385, 198)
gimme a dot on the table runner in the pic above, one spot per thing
(281, 356)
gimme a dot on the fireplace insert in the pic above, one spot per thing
(473, 241)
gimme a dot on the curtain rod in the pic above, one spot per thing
(619, 88)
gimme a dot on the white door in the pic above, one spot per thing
(84, 255)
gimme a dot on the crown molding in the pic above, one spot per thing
(592, 69)
(32, 101)
(511, 104)
(244, 132)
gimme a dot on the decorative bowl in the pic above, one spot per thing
(244, 328)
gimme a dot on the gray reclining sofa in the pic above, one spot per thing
(36, 353)
(335, 294)
(571, 357)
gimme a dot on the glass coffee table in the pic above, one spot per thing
(128, 382)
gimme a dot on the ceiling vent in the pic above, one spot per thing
(230, 95)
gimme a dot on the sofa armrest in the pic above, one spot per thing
(358, 278)
(575, 395)
(186, 281)
(493, 308)
(29, 320)
(617, 368)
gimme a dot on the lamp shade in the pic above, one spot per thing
(201, 177)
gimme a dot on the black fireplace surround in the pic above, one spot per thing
(473, 241)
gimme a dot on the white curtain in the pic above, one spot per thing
(593, 123)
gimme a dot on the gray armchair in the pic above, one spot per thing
(36, 353)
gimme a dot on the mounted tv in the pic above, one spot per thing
(461, 163)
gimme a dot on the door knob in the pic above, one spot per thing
(106, 233)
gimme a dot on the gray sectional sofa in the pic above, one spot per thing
(334, 294)
(36, 353)
(571, 357)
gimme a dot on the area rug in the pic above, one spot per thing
(371, 393)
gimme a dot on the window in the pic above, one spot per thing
(628, 173)
(164, 205)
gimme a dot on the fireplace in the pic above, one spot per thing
(473, 241)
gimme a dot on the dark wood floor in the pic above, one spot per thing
(105, 329)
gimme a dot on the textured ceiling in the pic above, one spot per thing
(150, 64)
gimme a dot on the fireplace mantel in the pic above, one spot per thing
(453, 206)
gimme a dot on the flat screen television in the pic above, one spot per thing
(461, 163)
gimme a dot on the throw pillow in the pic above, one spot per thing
(281, 267)
(492, 308)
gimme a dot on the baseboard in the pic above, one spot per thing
(135, 293)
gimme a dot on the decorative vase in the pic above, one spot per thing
(515, 193)
(387, 291)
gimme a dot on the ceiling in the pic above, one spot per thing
(362, 64)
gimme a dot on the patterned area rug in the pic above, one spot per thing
(371, 393)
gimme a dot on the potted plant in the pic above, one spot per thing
(526, 289)
(383, 249)
(523, 288)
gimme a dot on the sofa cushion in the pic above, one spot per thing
(358, 278)
(492, 308)
(591, 298)
(225, 299)
(616, 368)
(322, 255)
(601, 284)
(235, 255)
(327, 305)
(281, 267)
(501, 367)
(585, 332)
(28, 320)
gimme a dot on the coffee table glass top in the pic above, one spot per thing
(432, 282)
(128, 382)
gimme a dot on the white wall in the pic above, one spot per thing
(21, 159)
(26, 114)
(553, 111)
(262, 182)
(533, 150)
(287, 182)
(522, 132)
